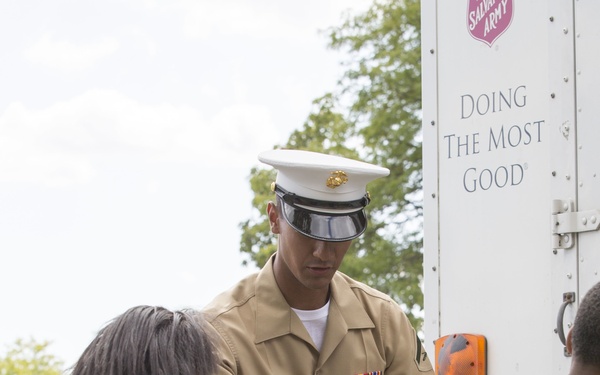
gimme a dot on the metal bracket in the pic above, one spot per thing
(566, 222)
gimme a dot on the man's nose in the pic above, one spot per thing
(322, 250)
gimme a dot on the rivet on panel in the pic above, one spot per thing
(584, 221)
(566, 79)
(569, 276)
(431, 51)
(565, 30)
(568, 177)
(551, 19)
(432, 122)
(552, 95)
(593, 219)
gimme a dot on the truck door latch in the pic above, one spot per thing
(566, 222)
(568, 298)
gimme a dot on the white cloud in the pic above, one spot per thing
(145, 40)
(245, 124)
(269, 19)
(59, 145)
(230, 17)
(66, 55)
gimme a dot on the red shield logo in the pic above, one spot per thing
(488, 19)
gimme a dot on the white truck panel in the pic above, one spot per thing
(509, 103)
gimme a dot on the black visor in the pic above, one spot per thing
(325, 226)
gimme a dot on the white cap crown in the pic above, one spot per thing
(320, 176)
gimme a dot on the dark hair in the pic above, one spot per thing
(150, 340)
(586, 329)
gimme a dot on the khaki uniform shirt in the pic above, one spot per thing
(367, 332)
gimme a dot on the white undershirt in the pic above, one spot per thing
(315, 322)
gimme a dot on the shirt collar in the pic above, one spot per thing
(275, 318)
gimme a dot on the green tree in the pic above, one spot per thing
(375, 116)
(29, 358)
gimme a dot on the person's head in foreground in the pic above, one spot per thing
(150, 340)
(583, 340)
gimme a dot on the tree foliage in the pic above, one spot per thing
(375, 116)
(29, 358)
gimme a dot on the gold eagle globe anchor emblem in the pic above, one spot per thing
(336, 179)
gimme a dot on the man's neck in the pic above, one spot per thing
(297, 295)
(582, 369)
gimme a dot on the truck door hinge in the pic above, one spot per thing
(566, 222)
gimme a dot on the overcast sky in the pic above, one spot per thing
(127, 133)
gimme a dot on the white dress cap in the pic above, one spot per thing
(321, 176)
(323, 196)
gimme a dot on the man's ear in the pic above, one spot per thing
(570, 342)
(273, 215)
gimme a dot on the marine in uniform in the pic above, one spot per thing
(299, 314)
